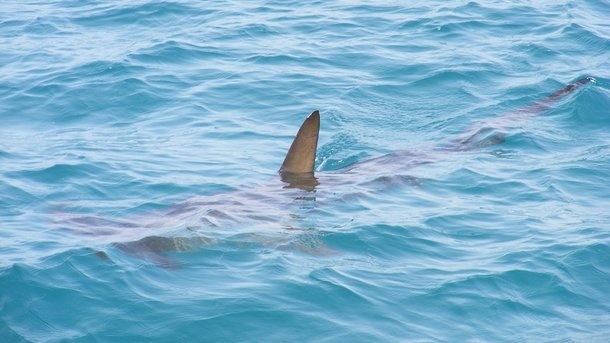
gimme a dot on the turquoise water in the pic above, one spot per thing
(139, 144)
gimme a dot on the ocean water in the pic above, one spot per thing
(140, 143)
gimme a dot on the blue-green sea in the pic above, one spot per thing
(140, 143)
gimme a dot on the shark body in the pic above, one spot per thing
(286, 204)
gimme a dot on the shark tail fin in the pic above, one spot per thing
(547, 102)
(301, 156)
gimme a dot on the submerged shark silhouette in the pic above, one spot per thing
(259, 207)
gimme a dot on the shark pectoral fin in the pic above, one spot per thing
(302, 153)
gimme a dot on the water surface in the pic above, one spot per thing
(113, 114)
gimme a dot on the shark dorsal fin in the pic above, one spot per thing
(302, 154)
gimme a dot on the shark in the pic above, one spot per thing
(291, 203)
